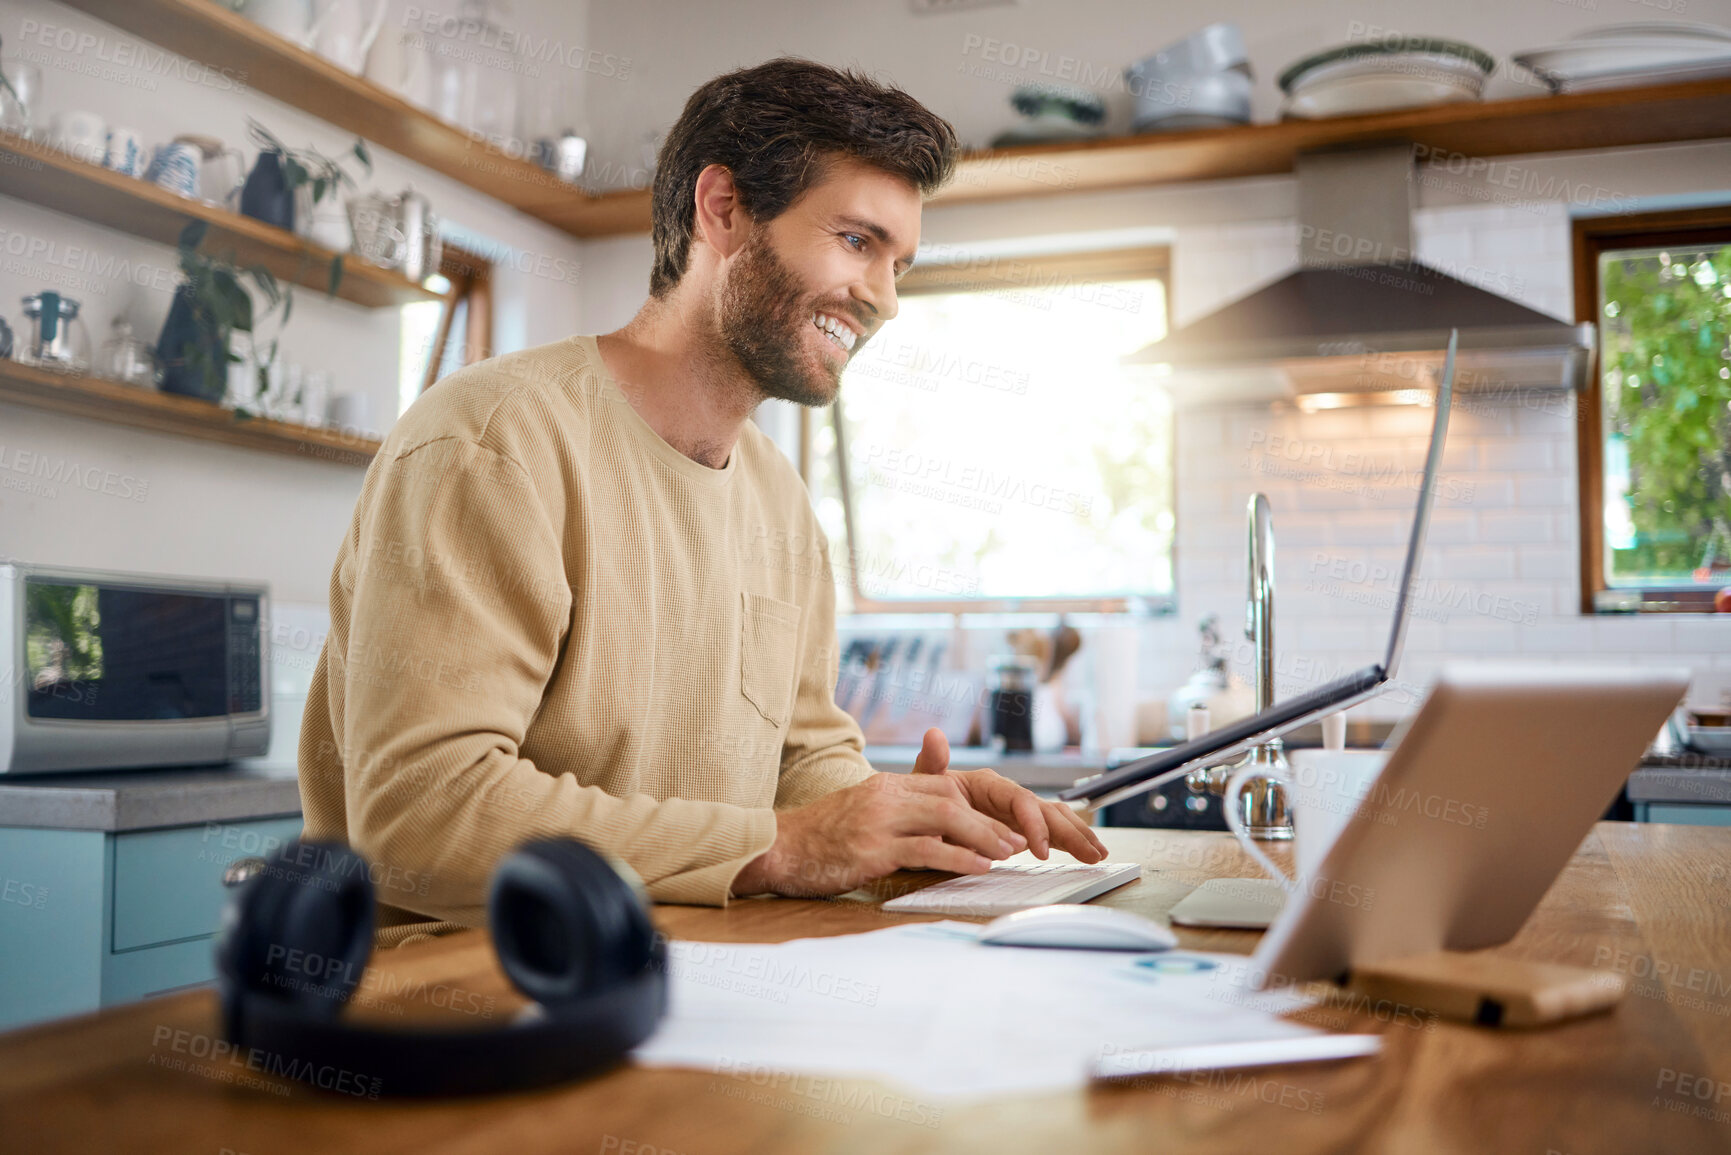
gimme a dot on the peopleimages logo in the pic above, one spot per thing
(457, 31)
(219, 1059)
(65, 471)
(125, 57)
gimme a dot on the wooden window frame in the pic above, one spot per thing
(471, 279)
(1593, 236)
(1152, 262)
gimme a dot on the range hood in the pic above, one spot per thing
(1361, 315)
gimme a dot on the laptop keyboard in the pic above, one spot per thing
(1007, 888)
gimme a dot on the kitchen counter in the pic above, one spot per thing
(144, 799)
(1687, 779)
(1036, 771)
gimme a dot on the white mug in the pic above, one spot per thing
(349, 412)
(175, 167)
(126, 153)
(83, 134)
(315, 397)
(1323, 792)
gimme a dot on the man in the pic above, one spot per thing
(583, 595)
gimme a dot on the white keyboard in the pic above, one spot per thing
(1005, 889)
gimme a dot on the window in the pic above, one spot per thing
(1655, 432)
(997, 457)
(427, 350)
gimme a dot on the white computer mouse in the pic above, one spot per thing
(1078, 927)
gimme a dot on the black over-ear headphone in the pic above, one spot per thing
(572, 931)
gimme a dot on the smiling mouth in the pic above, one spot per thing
(836, 330)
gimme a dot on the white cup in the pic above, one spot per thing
(1323, 792)
(1334, 731)
(315, 397)
(126, 152)
(82, 134)
(350, 412)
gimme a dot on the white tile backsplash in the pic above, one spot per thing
(1501, 570)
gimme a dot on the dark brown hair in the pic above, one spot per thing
(775, 127)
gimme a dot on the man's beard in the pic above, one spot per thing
(764, 314)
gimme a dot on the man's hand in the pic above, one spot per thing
(1044, 824)
(931, 819)
(887, 823)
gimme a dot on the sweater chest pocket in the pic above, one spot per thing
(768, 654)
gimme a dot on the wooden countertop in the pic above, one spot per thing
(1653, 902)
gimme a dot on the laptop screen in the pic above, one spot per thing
(1421, 516)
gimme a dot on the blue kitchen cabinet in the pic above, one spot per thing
(90, 918)
(1683, 814)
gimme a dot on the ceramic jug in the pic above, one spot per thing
(346, 32)
(290, 19)
(265, 196)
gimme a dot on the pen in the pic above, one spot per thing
(1215, 1056)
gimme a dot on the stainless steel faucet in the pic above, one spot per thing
(1262, 803)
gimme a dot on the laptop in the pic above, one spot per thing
(1217, 746)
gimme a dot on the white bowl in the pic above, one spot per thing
(1383, 84)
(1381, 76)
(1219, 98)
(1631, 54)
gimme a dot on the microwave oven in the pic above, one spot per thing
(110, 670)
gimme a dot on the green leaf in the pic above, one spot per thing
(267, 283)
(336, 275)
(361, 155)
(192, 236)
(236, 304)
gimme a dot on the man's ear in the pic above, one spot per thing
(720, 222)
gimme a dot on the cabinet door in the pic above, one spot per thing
(51, 894)
(168, 883)
(1688, 814)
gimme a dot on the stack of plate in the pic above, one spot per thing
(1203, 81)
(1621, 55)
(1383, 75)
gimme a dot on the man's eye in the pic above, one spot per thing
(855, 240)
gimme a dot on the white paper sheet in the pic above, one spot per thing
(927, 1006)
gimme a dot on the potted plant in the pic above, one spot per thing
(301, 186)
(209, 306)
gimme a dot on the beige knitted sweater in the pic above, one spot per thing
(545, 620)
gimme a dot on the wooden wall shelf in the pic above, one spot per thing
(1657, 114)
(140, 408)
(30, 171)
(1451, 133)
(211, 34)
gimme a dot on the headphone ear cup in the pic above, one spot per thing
(301, 929)
(568, 922)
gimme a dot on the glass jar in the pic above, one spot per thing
(20, 96)
(126, 358)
